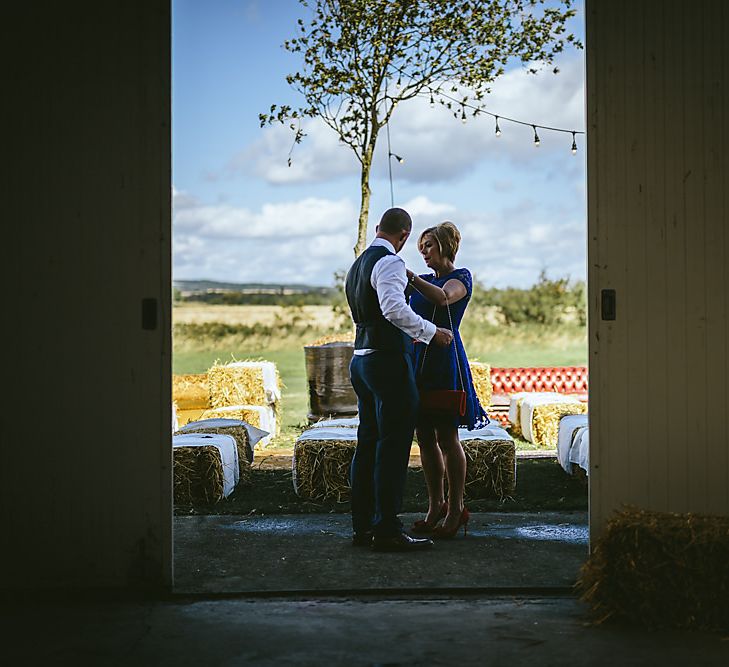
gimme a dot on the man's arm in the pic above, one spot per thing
(390, 280)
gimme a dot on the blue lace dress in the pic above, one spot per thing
(439, 369)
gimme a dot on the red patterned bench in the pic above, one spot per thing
(562, 379)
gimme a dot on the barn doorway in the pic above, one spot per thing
(266, 535)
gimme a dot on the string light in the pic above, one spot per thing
(463, 116)
(398, 158)
(432, 101)
(497, 131)
(536, 137)
(574, 144)
(398, 84)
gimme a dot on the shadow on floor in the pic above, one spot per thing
(233, 554)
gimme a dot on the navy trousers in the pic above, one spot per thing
(388, 400)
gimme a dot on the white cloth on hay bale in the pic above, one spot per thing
(342, 422)
(514, 405)
(580, 451)
(254, 434)
(266, 418)
(225, 444)
(489, 432)
(568, 427)
(534, 399)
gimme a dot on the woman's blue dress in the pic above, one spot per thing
(439, 369)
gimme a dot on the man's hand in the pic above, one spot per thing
(442, 337)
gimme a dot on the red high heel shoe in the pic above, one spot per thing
(440, 533)
(422, 526)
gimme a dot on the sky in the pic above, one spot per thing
(240, 214)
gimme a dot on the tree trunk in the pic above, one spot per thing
(364, 206)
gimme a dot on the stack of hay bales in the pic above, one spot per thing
(660, 570)
(243, 390)
(481, 376)
(321, 461)
(239, 430)
(540, 413)
(206, 467)
(490, 462)
(249, 389)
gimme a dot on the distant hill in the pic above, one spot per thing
(189, 287)
(215, 292)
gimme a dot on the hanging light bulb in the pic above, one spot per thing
(398, 158)
(398, 84)
(463, 116)
(574, 144)
(497, 131)
(432, 101)
(536, 137)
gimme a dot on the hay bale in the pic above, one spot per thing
(481, 376)
(660, 570)
(515, 401)
(197, 475)
(244, 383)
(191, 392)
(490, 462)
(187, 416)
(238, 431)
(321, 462)
(545, 421)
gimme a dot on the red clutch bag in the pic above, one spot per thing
(451, 402)
(444, 401)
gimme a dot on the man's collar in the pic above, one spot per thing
(385, 243)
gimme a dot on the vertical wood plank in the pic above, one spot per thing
(714, 119)
(675, 269)
(656, 381)
(696, 447)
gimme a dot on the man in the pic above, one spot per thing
(383, 378)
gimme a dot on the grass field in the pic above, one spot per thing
(204, 334)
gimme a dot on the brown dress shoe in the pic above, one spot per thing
(402, 542)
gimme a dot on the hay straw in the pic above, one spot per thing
(660, 570)
(186, 416)
(481, 376)
(545, 421)
(321, 469)
(191, 392)
(237, 385)
(240, 435)
(490, 468)
(516, 426)
(197, 475)
(333, 338)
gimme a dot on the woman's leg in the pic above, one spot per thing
(455, 467)
(433, 468)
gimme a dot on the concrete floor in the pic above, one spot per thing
(312, 552)
(370, 631)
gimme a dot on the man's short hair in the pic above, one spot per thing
(395, 220)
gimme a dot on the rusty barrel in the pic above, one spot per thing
(327, 373)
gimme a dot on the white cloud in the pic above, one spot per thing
(436, 146)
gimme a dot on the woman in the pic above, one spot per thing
(432, 297)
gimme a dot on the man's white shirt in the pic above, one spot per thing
(389, 279)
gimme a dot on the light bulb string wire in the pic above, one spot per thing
(389, 165)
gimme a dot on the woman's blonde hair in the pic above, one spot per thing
(447, 237)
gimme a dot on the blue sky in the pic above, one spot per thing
(240, 214)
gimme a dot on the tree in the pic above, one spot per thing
(363, 57)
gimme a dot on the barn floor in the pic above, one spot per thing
(295, 552)
(379, 630)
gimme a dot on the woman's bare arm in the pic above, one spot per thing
(454, 290)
